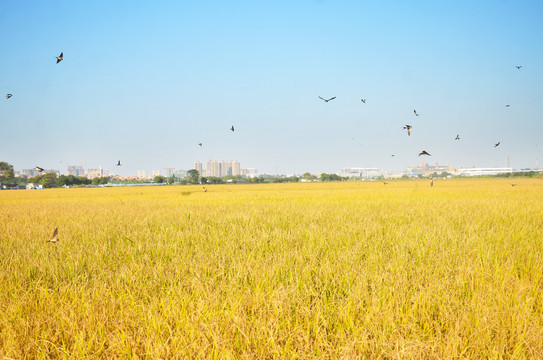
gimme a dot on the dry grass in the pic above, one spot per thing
(337, 270)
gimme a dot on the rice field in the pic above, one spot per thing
(282, 271)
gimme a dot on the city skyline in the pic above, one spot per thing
(146, 84)
(217, 169)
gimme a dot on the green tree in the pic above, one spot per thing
(171, 180)
(213, 180)
(49, 180)
(6, 172)
(193, 176)
(203, 180)
(159, 179)
(309, 177)
(331, 177)
(100, 180)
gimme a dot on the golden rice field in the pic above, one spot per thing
(284, 271)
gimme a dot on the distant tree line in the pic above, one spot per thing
(50, 180)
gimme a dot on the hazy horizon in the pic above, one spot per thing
(145, 83)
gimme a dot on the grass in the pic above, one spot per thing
(325, 270)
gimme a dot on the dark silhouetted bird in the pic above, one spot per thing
(424, 153)
(457, 137)
(200, 144)
(498, 144)
(518, 66)
(363, 100)
(60, 57)
(37, 168)
(8, 96)
(119, 163)
(326, 100)
(416, 114)
(507, 105)
(54, 239)
(408, 127)
(232, 128)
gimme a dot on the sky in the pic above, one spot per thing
(145, 82)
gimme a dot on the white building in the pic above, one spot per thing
(155, 173)
(169, 172)
(142, 174)
(249, 172)
(483, 171)
(367, 173)
(198, 167)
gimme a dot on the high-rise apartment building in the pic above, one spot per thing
(213, 168)
(169, 172)
(226, 168)
(142, 174)
(156, 173)
(198, 167)
(94, 173)
(236, 168)
(220, 168)
(76, 170)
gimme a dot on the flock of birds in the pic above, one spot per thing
(407, 127)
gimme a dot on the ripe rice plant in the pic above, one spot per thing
(305, 270)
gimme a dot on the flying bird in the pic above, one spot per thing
(518, 66)
(498, 144)
(326, 100)
(8, 96)
(54, 239)
(232, 128)
(507, 105)
(37, 168)
(424, 153)
(457, 137)
(60, 57)
(363, 100)
(119, 163)
(200, 144)
(415, 111)
(408, 127)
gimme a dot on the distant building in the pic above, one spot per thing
(155, 173)
(76, 170)
(198, 167)
(33, 186)
(366, 173)
(94, 173)
(250, 172)
(427, 169)
(180, 174)
(236, 168)
(213, 168)
(142, 174)
(29, 172)
(220, 168)
(226, 168)
(483, 171)
(169, 172)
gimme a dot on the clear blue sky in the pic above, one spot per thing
(144, 82)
